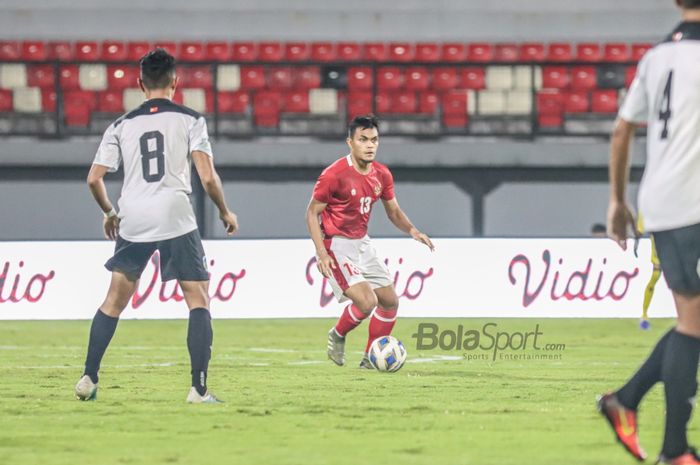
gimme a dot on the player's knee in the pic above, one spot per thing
(367, 303)
(391, 304)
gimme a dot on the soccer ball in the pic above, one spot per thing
(387, 354)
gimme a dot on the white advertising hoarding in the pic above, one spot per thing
(278, 279)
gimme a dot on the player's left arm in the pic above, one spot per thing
(401, 221)
(95, 180)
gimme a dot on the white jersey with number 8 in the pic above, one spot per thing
(665, 94)
(155, 142)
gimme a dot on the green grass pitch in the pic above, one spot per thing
(287, 404)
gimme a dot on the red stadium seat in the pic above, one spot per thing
(323, 52)
(297, 51)
(427, 52)
(33, 50)
(550, 121)
(111, 101)
(48, 100)
(401, 52)
(61, 51)
(279, 77)
(555, 77)
(583, 77)
(616, 53)
(87, 51)
(360, 77)
(270, 52)
(244, 51)
(428, 102)
(296, 101)
(576, 101)
(233, 102)
(9, 51)
(473, 78)
(77, 116)
(69, 77)
(349, 51)
(196, 77)
(375, 51)
(506, 53)
(550, 102)
(638, 51)
(122, 77)
(454, 52)
(5, 100)
(455, 120)
(266, 108)
(588, 52)
(444, 78)
(136, 50)
(177, 98)
(306, 77)
(454, 102)
(559, 51)
(630, 72)
(383, 102)
(252, 77)
(359, 103)
(417, 78)
(41, 76)
(217, 51)
(480, 53)
(77, 106)
(604, 101)
(172, 48)
(389, 77)
(532, 52)
(403, 102)
(114, 51)
(192, 51)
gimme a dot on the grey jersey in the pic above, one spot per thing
(155, 142)
(665, 95)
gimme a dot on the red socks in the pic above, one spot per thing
(381, 324)
(349, 320)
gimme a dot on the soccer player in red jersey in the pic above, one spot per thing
(337, 218)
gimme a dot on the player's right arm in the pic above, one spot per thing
(211, 182)
(324, 262)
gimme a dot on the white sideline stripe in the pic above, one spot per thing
(307, 362)
(265, 349)
(73, 367)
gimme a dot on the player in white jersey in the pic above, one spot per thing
(156, 143)
(665, 95)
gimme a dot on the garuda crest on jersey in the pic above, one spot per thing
(377, 189)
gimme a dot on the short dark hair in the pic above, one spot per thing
(364, 122)
(157, 69)
(691, 3)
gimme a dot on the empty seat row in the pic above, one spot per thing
(220, 51)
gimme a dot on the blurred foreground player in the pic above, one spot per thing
(157, 143)
(665, 94)
(337, 218)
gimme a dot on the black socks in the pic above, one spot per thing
(101, 333)
(199, 340)
(644, 379)
(679, 374)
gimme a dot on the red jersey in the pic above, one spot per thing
(350, 196)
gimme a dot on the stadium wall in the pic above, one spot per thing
(501, 277)
(360, 20)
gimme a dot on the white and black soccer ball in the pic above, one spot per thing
(387, 354)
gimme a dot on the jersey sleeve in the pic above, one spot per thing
(388, 191)
(323, 190)
(109, 153)
(199, 137)
(635, 108)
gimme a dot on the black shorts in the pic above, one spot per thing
(181, 258)
(679, 253)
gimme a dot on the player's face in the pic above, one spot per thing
(364, 144)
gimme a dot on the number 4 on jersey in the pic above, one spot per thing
(665, 111)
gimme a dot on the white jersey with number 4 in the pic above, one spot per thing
(155, 142)
(665, 94)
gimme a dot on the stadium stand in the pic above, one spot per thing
(291, 88)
